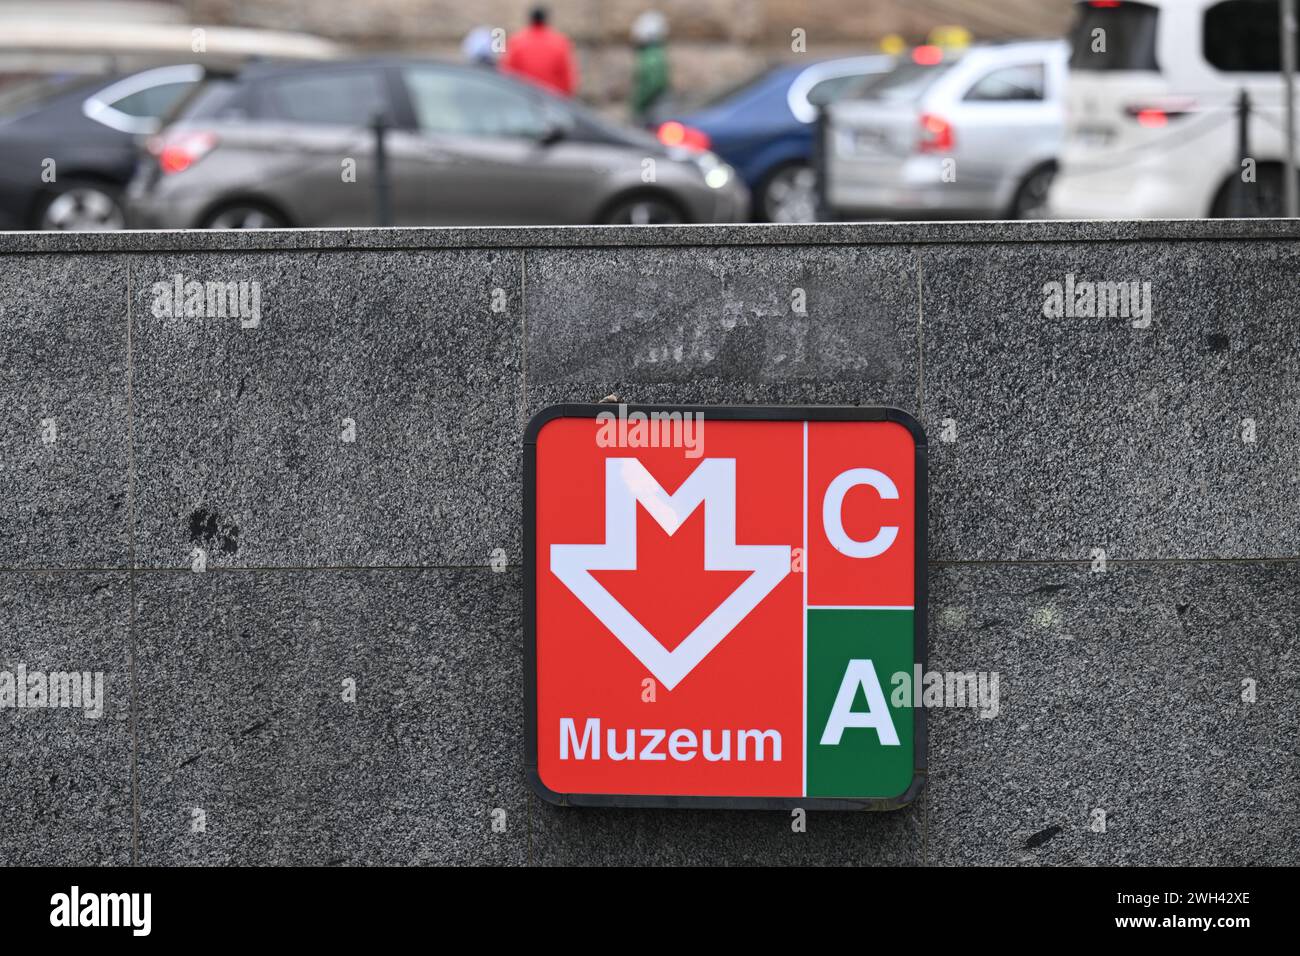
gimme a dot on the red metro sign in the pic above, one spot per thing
(718, 600)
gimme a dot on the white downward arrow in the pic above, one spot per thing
(713, 484)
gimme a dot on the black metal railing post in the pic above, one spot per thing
(383, 205)
(1242, 205)
(821, 212)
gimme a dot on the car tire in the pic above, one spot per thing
(1263, 199)
(788, 194)
(244, 215)
(642, 209)
(81, 205)
(1030, 201)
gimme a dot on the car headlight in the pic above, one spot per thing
(717, 178)
(716, 173)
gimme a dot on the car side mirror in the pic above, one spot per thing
(552, 134)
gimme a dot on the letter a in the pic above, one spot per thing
(860, 673)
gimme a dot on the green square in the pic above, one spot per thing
(861, 765)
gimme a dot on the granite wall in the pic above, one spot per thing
(1115, 529)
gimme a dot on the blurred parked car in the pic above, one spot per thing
(973, 134)
(293, 146)
(766, 127)
(69, 145)
(1151, 128)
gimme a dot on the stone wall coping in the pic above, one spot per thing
(544, 237)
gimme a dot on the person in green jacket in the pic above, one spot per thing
(650, 69)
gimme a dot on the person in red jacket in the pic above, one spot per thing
(542, 55)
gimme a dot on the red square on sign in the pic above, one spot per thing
(669, 589)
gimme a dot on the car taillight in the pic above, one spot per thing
(177, 152)
(674, 133)
(936, 134)
(1158, 114)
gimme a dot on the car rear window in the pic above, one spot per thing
(1242, 36)
(827, 91)
(1109, 35)
(734, 89)
(153, 101)
(906, 83)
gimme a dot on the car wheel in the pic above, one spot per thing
(642, 210)
(1263, 199)
(83, 206)
(789, 194)
(244, 216)
(1031, 197)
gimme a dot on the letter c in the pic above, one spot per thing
(833, 506)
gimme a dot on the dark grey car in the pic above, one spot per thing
(294, 146)
(69, 147)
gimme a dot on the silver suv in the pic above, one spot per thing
(972, 134)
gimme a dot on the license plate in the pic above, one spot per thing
(1094, 136)
(869, 139)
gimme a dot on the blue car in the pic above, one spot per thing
(765, 129)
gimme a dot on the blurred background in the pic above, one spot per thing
(714, 43)
(309, 113)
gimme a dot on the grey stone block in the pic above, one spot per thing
(1082, 433)
(242, 716)
(65, 776)
(573, 836)
(1120, 692)
(719, 324)
(64, 424)
(241, 435)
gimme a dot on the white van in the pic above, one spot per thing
(1151, 110)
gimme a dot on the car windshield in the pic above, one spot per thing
(728, 91)
(903, 84)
